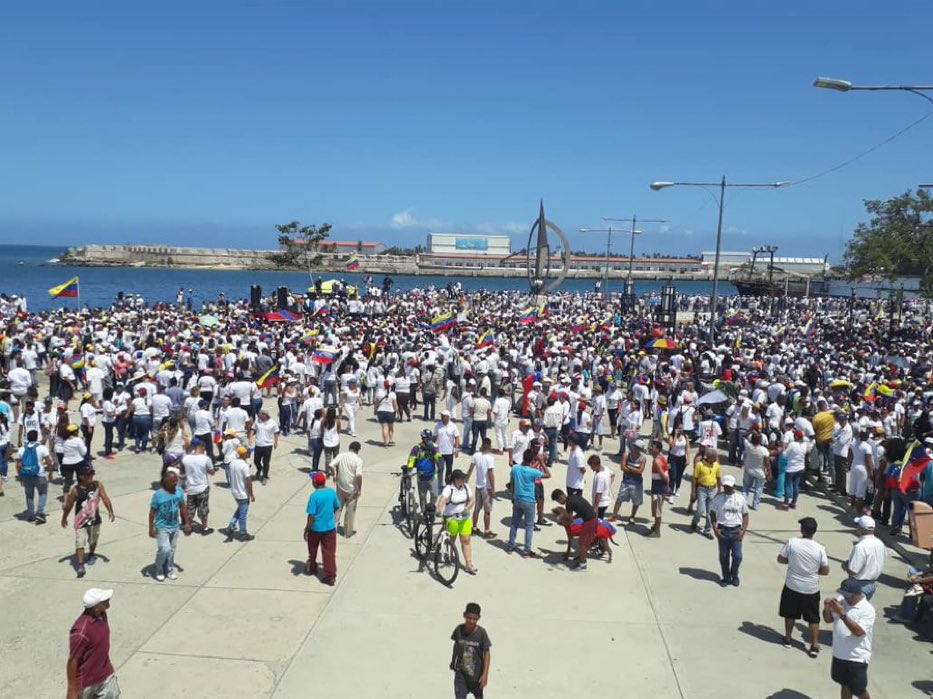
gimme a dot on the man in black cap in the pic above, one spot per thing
(853, 619)
(806, 561)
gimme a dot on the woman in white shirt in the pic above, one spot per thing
(330, 434)
(457, 501)
(140, 412)
(678, 457)
(351, 399)
(386, 406)
(88, 412)
(109, 420)
(74, 453)
(755, 468)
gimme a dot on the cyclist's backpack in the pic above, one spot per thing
(29, 464)
(425, 468)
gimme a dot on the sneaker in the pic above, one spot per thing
(205, 532)
(725, 582)
(654, 533)
(510, 549)
(787, 643)
(90, 560)
(577, 566)
(226, 532)
(529, 554)
(813, 651)
(80, 571)
(265, 481)
(329, 581)
(40, 519)
(472, 570)
(159, 577)
(735, 581)
(172, 575)
(247, 537)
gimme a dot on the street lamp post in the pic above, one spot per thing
(722, 184)
(847, 86)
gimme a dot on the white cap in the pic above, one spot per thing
(95, 596)
(445, 412)
(728, 481)
(865, 522)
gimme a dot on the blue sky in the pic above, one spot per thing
(207, 122)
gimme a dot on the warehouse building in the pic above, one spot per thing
(469, 244)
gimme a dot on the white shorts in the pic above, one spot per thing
(858, 482)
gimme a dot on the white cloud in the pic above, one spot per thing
(734, 230)
(406, 220)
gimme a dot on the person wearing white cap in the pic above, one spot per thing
(853, 620)
(866, 560)
(729, 512)
(89, 670)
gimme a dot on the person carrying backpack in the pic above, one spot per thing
(427, 461)
(30, 460)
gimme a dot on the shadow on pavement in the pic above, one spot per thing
(761, 632)
(700, 574)
(789, 694)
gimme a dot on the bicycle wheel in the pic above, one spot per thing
(411, 512)
(422, 537)
(447, 562)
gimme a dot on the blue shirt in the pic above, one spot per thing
(523, 482)
(167, 506)
(322, 505)
(927, 475)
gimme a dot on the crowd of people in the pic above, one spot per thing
(801, 393)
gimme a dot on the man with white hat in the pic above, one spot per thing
(729, 513)
(866, 560)
(853, 620)
(90, 672)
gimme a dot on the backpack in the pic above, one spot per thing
(425, 468)
(29, 464)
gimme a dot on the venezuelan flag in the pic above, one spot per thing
(324, 355)
(310, 335)
(353, 263)
(529, 315)
(442, 322)
(487, 339)
(869, 394)
(735, 319)
(915, 461)
(270, 378)
(68, 290)
(809, 330)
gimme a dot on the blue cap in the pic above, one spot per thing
(850, 587)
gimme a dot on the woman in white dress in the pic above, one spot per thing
(351, 399)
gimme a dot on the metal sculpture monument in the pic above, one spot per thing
(538, 258)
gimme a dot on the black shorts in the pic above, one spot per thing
(851, 675)
(385, 418)
(797, 605)
(464, 685)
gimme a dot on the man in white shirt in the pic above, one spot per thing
(841, 441)
(500, 419)
(447, 440)
(235, 418)
(483, 462)
(602, 482)
(347, 470)
(806, 560)
(729, 513)
(853, 620)
(866, 560)
(241, 487)
(265, 440)
(20, 380)
(576, 467)
(520, 441)
(199, 467)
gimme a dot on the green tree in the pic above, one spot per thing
(299, 246)
(896, 241)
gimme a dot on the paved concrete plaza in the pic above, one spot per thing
(243, 620)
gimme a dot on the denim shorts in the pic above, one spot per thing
(631, 492)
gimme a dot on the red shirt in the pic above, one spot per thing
(90, 647)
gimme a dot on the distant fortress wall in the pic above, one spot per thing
(166, 256)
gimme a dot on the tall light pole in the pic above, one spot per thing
(608, 231)
(714, 300)
(847, 86)
(631, 249)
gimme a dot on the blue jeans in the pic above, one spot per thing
(779, 482)
(792, 486)
(825, 450)
(315, 446)
(730, 552)
(285, 418)
(551, 433)
(166, 543)
(142, 426)
(523, 512)
(330, 393)
(755, 485)
(705, 495)
(478, 433)
(467, 432)
(31, 484)
(4, 464)
(868, 588)
(239, 516)
(901, 504)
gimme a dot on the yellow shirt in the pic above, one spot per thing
(706, 474)
(823, 423)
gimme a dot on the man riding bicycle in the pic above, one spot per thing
(427, 461)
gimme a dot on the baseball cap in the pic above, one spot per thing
(95, 596)
(641, 444)
(242, 451)
(318, 478)
(445, 412)
(196, 442)
(728, 481)
(798, 434)
(808, 524)
(850, 587)
(72, 428)
(865, 522)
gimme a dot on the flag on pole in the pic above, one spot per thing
(809, 330)
(735, 319)
(915, 461)
(353, 263)
(442, 322)
(270, 378)
(68, 290)
(310, 335)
